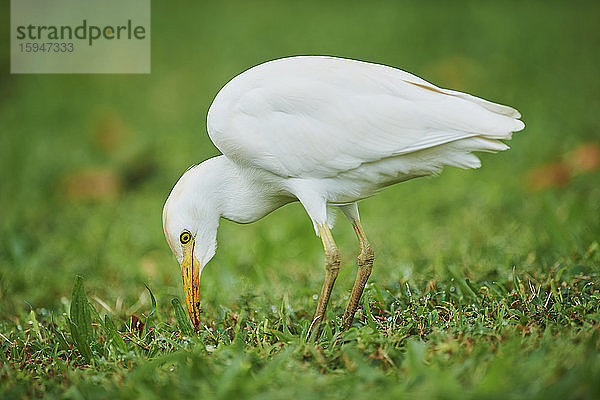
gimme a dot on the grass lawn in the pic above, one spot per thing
(486, 282)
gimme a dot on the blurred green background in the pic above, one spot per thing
(87, 161)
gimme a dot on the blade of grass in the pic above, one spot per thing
(58, 335)
(80, 321)
(182, 319)
(114, 335)
(150, 314)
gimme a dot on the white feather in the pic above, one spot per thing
(318, 117)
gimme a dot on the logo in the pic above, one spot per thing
(75, 36)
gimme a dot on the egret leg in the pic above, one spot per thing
(365, 266)
(332, 267)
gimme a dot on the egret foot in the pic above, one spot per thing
(365, 266)
(332, 267)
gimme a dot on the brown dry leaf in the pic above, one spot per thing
(110, 132)
(549, 175)
(584, 158)
(136, 325)
(92, 184)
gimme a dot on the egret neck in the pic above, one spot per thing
(216, 188)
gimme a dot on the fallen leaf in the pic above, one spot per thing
(584, 158)
(136, 325)
(92, 184)
(549, 175)
(110, 132)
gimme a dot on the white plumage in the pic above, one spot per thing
(321, 116)
(325, 131)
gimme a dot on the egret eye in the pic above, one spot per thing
(185, 237)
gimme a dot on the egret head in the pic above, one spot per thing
(190, 222)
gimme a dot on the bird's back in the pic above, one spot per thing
(324, 117)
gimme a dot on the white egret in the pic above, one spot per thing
(327, 132)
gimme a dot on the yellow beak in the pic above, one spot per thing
(190, 271)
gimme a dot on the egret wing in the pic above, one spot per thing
(320, 116)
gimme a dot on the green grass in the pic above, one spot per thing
(482, 288)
